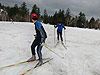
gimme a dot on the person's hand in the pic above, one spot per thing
(64, 28)
(55, 26)
(35, 36)
(42, 43)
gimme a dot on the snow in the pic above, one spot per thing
(81, 58)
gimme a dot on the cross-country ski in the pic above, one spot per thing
(21, 63)
(64, 45)
(36, 66)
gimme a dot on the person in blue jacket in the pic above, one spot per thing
(59, 30)
(39, 39)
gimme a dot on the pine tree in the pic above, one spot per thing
(92, 23)
(45, 17)
(55, 18)
(36, 10)
(23, 12)
(81, 20)
(68, 17)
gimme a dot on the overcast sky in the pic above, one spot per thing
(91, 8)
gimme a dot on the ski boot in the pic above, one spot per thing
(39, 63)
(32, 58)
(58, 41)
(62, 42)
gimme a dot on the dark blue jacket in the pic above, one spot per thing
(60, 27)
(40, 32)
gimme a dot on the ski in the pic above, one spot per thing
(21, 63)
(36, 66)
(64, 46)
(56, 44)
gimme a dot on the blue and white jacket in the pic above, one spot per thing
(40, 32)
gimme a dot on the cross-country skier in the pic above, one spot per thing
(39, 39)
(12, 21)
(59, 30)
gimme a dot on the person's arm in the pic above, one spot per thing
(64, 27)
(43, 34)
(55, 26)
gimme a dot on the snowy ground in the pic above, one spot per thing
(81, 58)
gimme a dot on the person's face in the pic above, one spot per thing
(33, 21)
(59, 23)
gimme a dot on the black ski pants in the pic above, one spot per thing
(35, 43)
(59, 34)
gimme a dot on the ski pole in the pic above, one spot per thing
(65, 36)
(53, 52)
(54, 34)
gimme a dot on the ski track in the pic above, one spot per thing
(82, 56)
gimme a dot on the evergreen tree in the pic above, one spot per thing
(73, 22)
(68, 17)
(55, 18)
(11, 12)
(61, 16)
(87, 24)
(97, 24)
(92, 23)
(0, 5)
(16, 8)
(23, 12)
(36, 10)
(81, 20)
(45, 17)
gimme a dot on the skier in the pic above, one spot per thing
(39, 39)
(59, 30)
(12, 21)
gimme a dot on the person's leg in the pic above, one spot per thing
(39, 48)
(57, 35)
(34, 44)
(61, 36)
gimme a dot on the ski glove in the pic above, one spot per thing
(55, 26)
(64, 28)
(35, 36)
(42, 43)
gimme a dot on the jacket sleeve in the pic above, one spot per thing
(42, 31)
(43, 34)
(64, 26)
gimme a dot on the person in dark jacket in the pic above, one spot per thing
(59, 30)
(39, 39)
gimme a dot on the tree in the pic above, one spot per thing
(97, 24)
(73, 22)
(81, 20)
(36, 10)
(92, 23)
(0, 5)
(61, 16)
(13, 11)
(55, 18)
(16, 9)
(45, 17)
(87, 24)
(23, 9)
(23, 12)
(68, 17)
